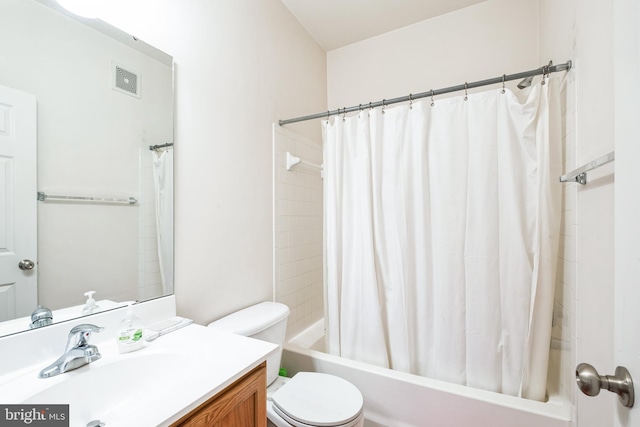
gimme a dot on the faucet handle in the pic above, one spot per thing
(83, 332)
(85, 327)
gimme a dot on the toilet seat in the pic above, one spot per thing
(320, 400)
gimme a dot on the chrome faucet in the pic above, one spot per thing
(40, 317)
(77, 353)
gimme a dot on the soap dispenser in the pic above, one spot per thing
(129, 336)
(90, 306)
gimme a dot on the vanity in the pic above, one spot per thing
(193, 376)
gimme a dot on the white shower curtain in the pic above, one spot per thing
(163, 182)
(441, 233)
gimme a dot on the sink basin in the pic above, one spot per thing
(89, 390)
(154, 386)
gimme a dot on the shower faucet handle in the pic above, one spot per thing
(590, 383)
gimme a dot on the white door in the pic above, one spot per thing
(627, 200)
(18, 204)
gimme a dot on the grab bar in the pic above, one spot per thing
(50, 197)
(580, 175)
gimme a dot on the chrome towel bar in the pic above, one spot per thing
(580, 175)
(50, 197)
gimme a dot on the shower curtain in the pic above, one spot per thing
(441, 233)
(163, 182)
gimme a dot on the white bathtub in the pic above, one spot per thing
(397, 399)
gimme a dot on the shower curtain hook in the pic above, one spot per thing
(344, 113)
(328, 114)
(504, 76)
(432, 102)
(465, 91)
(410, 102)
(383, 106)
(370, 108)
(548, 72)
(359, 110)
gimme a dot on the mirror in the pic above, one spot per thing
(103, 99)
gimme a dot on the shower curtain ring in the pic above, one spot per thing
(548, 70)
(432, 102)
(504, 76)
(328, 114)
(410, 102)
(383, 106)
(465, 91)
(359, 110)
(344, 113)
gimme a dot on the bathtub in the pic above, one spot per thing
(397, 399)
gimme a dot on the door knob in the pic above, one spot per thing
(590, 383)
(26, 264)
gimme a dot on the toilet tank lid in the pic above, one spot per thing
(251, 320)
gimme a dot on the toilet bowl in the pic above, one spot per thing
(308, 399)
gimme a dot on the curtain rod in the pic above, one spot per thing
(158, 147)
(546, 69)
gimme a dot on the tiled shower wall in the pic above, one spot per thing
(297, 239)
(563, 338)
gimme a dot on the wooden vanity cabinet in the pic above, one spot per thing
(242, 404)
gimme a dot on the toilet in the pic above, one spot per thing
(308, 399)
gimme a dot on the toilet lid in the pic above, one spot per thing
(318, 399)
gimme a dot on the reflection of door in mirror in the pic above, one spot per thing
(18, 239)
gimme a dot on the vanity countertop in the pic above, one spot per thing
(231, 356)
(154, 386)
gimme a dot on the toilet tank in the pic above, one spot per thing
(266, 321)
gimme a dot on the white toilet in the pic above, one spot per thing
(309, 399)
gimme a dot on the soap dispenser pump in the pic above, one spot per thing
(90, 306)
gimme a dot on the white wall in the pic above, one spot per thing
(483, 41)
(240, 66)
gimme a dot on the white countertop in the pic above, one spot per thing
(232, 356)
(178, 371)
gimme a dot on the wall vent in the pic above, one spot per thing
(126, 81)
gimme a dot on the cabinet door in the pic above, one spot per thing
(242, 404)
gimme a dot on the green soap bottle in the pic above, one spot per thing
(130, 333)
